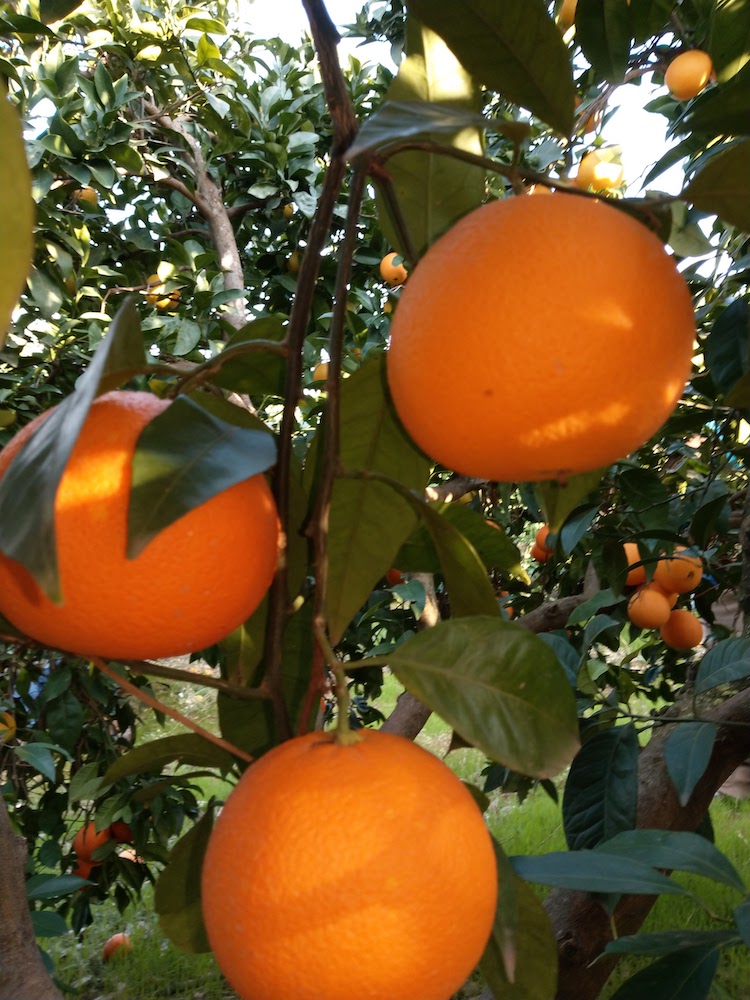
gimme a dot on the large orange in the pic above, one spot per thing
(337, 871)
(681, 573)
(511, 340)
(88, 839)
(682, 630)
(192, 585)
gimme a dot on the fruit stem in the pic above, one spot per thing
(345, 735)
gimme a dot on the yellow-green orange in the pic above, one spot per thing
(182, 593)
(501, 374)
(287, 915)
(597, 173)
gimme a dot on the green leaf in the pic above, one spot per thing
(567, 655)
(16, 213)
(726, 348)
(729, 37)
(725, 662)
(186, 748)
(676, 850)
(499, 686)
(29, 487)
(684, 975)
(48, 924)
(601, 793)
(177, 896)
(184, 457)
(723, 110)
(535, 949)
(594, 871)
(397, 120)
(687, 751)
(513, 47)
(722, 187)
(433, 191)
(604, 32)
(64, 720)
(253, 372)
(648, 16)
(576, 526)
(52, 886)
(55, 10)
(601, 599)
(39, 757)
(668, 942)
(86, 783)
(500, 955)
(742, 920)
(557, 498)
(367, 522)
(738, 396)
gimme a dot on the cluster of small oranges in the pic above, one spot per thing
(88, 839)
(652, 604)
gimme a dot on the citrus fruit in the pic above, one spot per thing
(688, 74)
(598, 174)
(88, 839)
(636, 574)
(320, 373)
(648, 607)
(7, 727)
(121, 832)
(682, 630)
(118, 944)
(394, 577)
(294, 262)
(414, 879)
(503, 599)
(288, 210)
(541, 537)
(474, 316)
(394, 274)
(181, 593)
(87, 194)
(169, 301)
(681, 573)
(540, 553)
(154, 289)
(83, 868)
(537, 189)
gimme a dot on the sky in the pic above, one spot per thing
(640, 134)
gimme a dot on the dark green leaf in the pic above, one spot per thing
(667, 942)
(38, 757)
(23, 25)
(575, 527)
(498, 686)
(723, 110)
(687, 752)
(86, 783)
(28, 488)
(48, 924)
(729, 37)
(186, 748)
(177, 897)
(725, 662)
(604, 32)
(648, 16)
(704, 523)
(64, 718)
(742, 920)
(726, 348)
(722, 186)
(398, 120)
(594, 871)
(253, 372)
(534, 946)
(513, 47)
(684, 975)
(184, 457)
(738, 396)
(55, 10)
(52, 886)
(676, 850)
(558, 498)
(601, 792)
(567, 655)
(602, 599)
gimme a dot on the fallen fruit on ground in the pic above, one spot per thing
(636, 574)
(681, 573)
(596, 173)
(7, 727)
(181, 593)
(688, 74)
(118, 944)
(393, 273)
(648, 607)
(283, 924)
(88, 839)
(580, 414)
(682, 630)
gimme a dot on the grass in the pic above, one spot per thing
(157, 971)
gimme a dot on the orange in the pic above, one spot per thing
(119, 944)
(540, 553)
(320, 372)
(83, 869)
(394, 274)
(541, 536)
(505, 606)
(680, 574)
(294, 262)
(637, 574)
(648, 607)
(88, 839)
(598, 174)
(154, 289)
(414, 878)
(7, 727)
(394, 577)
(474, 318)
(181, 593)
(121, 832)
(682, 630)
(688, 74)
(538, 189)
(169, 301)
(87, 194)
(288, 210)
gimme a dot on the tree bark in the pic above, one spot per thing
(580, 925)
(22, 972)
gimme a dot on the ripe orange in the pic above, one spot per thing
(540, 554)
(680, 574)
(121, 832)
(394, 577)
(169, 301)
(414, 878)
(474, 316)
(320, 372)
(118, 944)
(682, 630)
(541, 536)
(598, 174)
(503, 599)
(7, 727)
(648, 607)
(637, 575)
(154, 289)
(88, 839)
(87, 194)
(83, 869)
(181, 593)
(688, 74)
(537, 189)
(394, 274)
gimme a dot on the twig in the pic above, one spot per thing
(147, 668)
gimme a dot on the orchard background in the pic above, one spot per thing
(211, 210)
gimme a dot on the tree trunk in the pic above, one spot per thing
(580, 925)
(22, 972)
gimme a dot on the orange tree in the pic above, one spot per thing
(238, 173)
